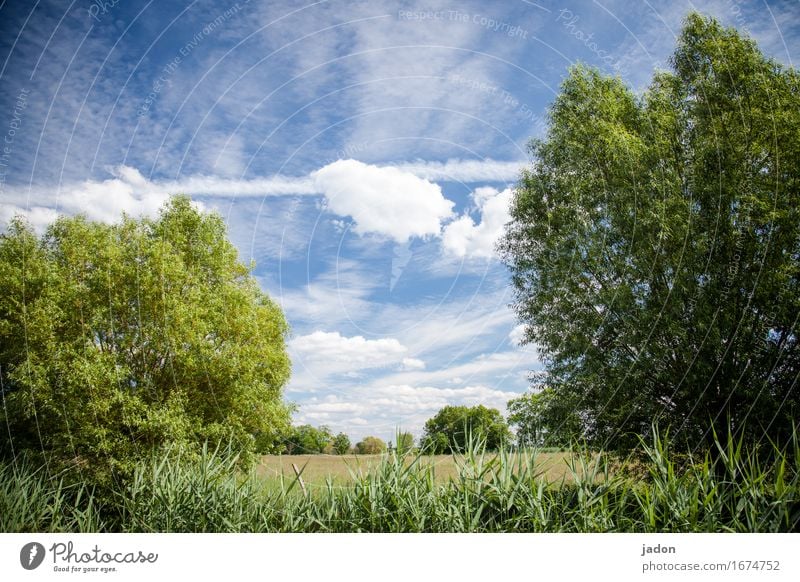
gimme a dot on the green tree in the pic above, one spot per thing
(450, 429)
(341, 444)
(542, 419)
(308, 440)
(118, 339)
(654, 250)
(370, 446)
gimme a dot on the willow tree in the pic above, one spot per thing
(116, 340)
(654, 246)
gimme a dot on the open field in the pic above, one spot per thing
(340, 469)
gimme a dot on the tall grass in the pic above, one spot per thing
(735, 489)
(33, 500)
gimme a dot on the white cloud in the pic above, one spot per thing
(396, 405)
(412, 364)
(129, 191)
(256, 188)
(105, 201)
(397, 201)
(39, 217)
(383, 200)
(464, 238)
(412, 399)
(517, 334)
(354, 352)
(464, 170)
(484, 369)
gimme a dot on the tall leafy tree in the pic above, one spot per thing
(118, 339)
(537, 413)
(654, 245)
(450, 429)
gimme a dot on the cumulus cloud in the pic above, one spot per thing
(464, 238)
(353, 352)
(128, 191)
(383, 200)
(38, 216)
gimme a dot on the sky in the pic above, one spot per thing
(363, 155)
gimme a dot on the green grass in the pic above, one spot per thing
(736, 490)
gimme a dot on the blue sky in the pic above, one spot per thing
(362, 153)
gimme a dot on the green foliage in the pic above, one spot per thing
(370, 446)
(119, 339)
(341, 444)
(307, 440)
(542, 420)
(654, 247)
(740, 490)
(453, 426)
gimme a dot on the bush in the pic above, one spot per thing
(117, 340)
(370, 446)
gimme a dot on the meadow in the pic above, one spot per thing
(735, 490)
(341, 470)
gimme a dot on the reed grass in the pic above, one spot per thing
(731, 489)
